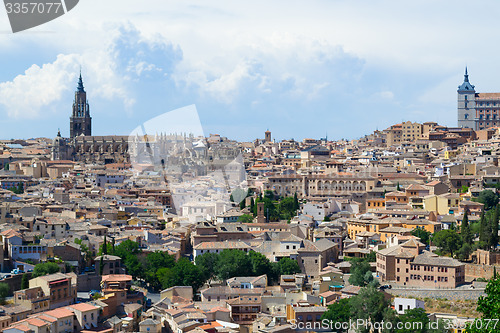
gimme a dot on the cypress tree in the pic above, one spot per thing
(105, 246)
(494, 228)
(465, 231)
(101, 265)
(252, 204)
(296, 205)
(483, 230)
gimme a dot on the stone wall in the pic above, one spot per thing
(88, 282)
(484, 257)
(475, 271)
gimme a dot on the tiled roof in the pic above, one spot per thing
(429, 258)
(82, 307)
(59, 313)
(222, 245)
(116, 278)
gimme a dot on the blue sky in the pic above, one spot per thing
(301, 69)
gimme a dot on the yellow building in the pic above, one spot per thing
(443, 204)
(449, 154)
(375, 204)
(356, 226)
(422, 224)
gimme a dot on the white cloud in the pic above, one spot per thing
(38, 87)
(386, 95)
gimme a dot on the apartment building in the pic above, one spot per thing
(60, 287)
(409, 265)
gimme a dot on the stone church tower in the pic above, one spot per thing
(466, 104)
(80, 120)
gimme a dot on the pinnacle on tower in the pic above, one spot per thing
(80, 84)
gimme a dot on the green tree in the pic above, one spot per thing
(287, 208)
(134, 266)
(184, 273)
(493, 239)
(414, 321)
(484, 231)
(207, 263)
(269, 208)
(465, 231)
(296, 202)
(45, 268)
(25, 281)
(252, 204)
(359, 270)
(233, 263)
(488, 198)
(127, 248)
(260, 264)
(245, 218)
(105, 246)
(155, 261)
(369, 304)
(101, 265)
(448, 240)
(423, 234)
(269, 195)
(489, 306)
(4, 291)
(464, 252)
(398, 187)
(338, 312)
(288, 266)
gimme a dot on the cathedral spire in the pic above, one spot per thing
(80, 83)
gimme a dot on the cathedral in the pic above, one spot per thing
(179, 152)
(81, 146)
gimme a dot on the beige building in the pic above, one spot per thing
(32, 298)
(411, 132)
(320, 186)
(61, 288)
(409, 265)
(394, 135)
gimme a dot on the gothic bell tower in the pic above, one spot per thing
(80, 121)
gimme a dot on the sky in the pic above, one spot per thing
(302, 69)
